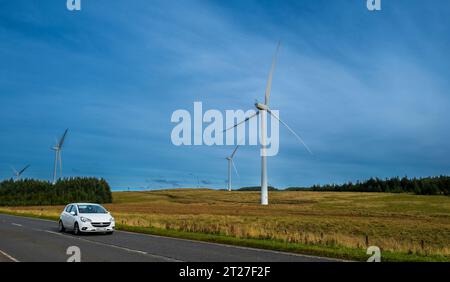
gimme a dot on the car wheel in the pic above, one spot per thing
(61, 227)
(76, 229)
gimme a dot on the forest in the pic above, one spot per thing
(30, 192)
(439, 185)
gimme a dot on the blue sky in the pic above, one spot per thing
(368, 91)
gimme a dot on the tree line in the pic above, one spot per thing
(439, 185)
(30, 192)
(256, 188)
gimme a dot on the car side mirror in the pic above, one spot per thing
(73, 213)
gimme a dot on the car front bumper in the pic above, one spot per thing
(93, 227)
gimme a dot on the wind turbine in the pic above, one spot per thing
(231, 163)
(262, 110)
(58, 148)
(17, 174)
(196, 178)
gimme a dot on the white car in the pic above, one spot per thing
(86, 217)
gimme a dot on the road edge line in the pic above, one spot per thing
(8, 256)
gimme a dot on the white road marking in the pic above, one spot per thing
(194, 241)
(94, 242)
(27, 217)
(8, 256)
(236, 247)
(117, 247)
(16, 224)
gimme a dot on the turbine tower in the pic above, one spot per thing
(17, 174)
(58, 148)
(231, 163)
(262, 110)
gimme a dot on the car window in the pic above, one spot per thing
(91, 209)
(68, 208)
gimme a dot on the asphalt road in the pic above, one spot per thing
(29, 240)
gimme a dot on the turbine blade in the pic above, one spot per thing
(290, 129)
(234, 152)
(61, 141)
(13, 169)
(235, 169)
(23, 170)
(245, 120)
(272, 70)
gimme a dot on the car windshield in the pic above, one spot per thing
(91, 209)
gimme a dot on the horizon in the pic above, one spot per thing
(367, 91)
(159, 188)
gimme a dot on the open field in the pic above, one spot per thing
(404, 226)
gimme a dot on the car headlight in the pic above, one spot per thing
(85, 219)
(111, 219)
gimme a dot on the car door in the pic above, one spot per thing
(71, 218)
(65, 215)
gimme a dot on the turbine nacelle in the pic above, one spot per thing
(261, 107)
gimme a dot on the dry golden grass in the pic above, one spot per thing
(395, 222)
